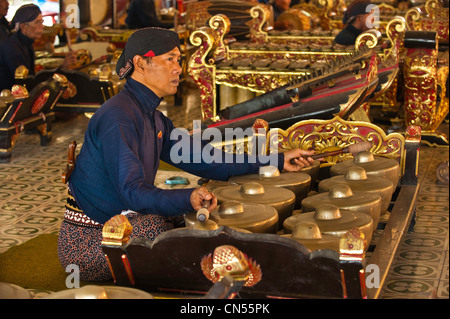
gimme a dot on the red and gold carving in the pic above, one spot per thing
(202, 72)
(430, 17)
(228, 260)
(352, 245)
(19, 91)
(421, 89)
(40, 101)
(328, 135)
(207, 73)
(261, 16)
(116, 231)
(413, 133)
(70, 91)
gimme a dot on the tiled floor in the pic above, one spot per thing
(420, 269)
(32, 202)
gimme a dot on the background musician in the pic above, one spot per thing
(27, 25)
(357, 19)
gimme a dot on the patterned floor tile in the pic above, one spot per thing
(420, 269)
(420, 255)
(414, 241)
(421, 229)
(442, 290)
(404, 288)
(416, 270)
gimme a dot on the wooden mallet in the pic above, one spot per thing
(203, 213)
(351, 148)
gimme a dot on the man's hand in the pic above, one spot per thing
(293, 160)
(70, 60)
(200, 196)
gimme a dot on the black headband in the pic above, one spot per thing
(25, 13)
(148, 42)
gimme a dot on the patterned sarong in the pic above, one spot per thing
(80, 238)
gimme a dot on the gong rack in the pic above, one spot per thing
(205, 68)
(22, 110)
(84, 93)
(188, 262)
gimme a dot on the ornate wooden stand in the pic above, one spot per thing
(188, 262)
(208, 64)
(426, 70)
(24, 111)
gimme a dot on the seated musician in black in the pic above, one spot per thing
(17, 50)
(5, 29)
(357, 19)
(125, 140)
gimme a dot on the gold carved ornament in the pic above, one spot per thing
(351, 248)
(435, 10)
(432, 17)
(116, 231)
(369, 38)
(228, 260)
(222, 25)
(261, 16)
(329, 135)
(202, 72)
(395, 31)
(421, 88)
(352, 245)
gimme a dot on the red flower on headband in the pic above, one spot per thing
(150, 54)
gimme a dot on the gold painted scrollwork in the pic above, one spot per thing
(433, 17)
(221, 23)
(260, 15)
(412, 16)
(328, 135)
(369, 38)
(202, 71)
(435, 10)
(395, 31)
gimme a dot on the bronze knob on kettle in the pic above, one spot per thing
(281, 199)
(332, 220)
(374, 165)
(297, 182)
(255, 218)
(342, 196)
(308, 234)
(357, 179)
